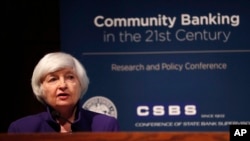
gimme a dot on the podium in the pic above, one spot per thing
(118, 136)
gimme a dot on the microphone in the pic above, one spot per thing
(56, 114)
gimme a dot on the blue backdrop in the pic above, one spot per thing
(163, 65)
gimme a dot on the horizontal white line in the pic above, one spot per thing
(166, 52)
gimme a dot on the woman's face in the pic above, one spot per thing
(61, 88)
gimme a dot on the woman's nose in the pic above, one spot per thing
(63, 83)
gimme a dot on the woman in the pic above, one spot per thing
(59, 81)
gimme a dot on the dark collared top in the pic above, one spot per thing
(44, 122)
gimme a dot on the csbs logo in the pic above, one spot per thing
(166, 110)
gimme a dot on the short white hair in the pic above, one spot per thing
(52, 62)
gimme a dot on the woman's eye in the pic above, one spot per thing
(52, 79)
(70, 77)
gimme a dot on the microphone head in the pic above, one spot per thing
(55, 114)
